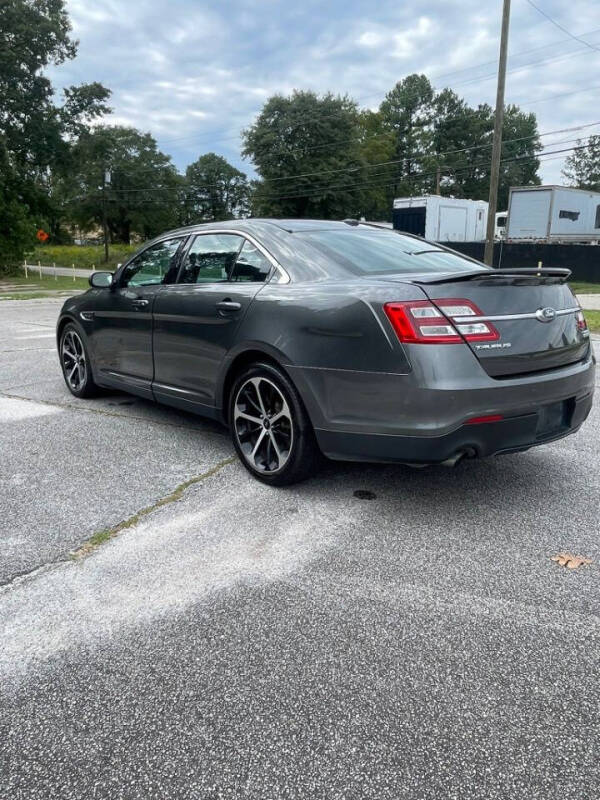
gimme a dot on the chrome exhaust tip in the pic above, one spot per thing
(454, 459)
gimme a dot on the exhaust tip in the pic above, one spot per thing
(458, 456)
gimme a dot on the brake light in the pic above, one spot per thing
(580, 320)
(422, 322)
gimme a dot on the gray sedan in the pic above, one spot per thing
(342, 339)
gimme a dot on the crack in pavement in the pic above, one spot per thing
(105, 535)
(109, 533)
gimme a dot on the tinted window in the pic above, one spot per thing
(364, 251)
(211, 258)
(155, 265)
(597, 223)
(251, 264)
(573, 215)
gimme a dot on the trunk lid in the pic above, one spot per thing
(533, 311)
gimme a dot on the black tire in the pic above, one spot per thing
(288, 451)
(75, 362)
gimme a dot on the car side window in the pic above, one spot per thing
(153, 266)
(251, 265)
(211, 258)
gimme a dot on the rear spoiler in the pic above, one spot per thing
(558, 275)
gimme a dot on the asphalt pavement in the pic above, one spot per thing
(236, 641)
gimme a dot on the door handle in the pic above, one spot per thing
(228, 305)
(139, 303)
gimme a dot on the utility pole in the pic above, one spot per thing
(105, 180)
(497, 144)
(438, 175)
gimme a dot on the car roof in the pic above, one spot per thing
(257, 223)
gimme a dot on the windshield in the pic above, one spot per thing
(366, 251)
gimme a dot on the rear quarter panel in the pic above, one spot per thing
(335, 342)
(328, 325)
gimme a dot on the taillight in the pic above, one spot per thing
(422, 322)
(580, 320)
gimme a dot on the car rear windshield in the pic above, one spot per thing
(366, 251)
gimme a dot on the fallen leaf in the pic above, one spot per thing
(570, 561)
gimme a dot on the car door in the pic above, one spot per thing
(122, 334)
(195, 320)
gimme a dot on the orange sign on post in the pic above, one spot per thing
(42, 236)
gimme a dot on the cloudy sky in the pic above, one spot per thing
(194, 73)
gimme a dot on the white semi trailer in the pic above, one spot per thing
(441, 219)
(553, 214)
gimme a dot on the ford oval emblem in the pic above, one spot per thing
(545, 314)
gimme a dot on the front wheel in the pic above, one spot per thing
(271, 431)
(75, 363)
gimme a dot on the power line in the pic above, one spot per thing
(382, 182)
(419, 175)
(561, 28)
(556, 96)
(419, 156)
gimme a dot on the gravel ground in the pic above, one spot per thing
(298, 643)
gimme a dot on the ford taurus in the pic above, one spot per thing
(335, 338)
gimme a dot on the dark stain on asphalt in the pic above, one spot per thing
(364, 494)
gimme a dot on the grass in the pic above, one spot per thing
(48, 282)
(15, 288)
(584, 288)
(593, 320)
(83, 257)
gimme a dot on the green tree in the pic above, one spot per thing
(397, 139)
(377, 145)
(521, 144)
(582, 166)
(306, 150)
(35, 132)
(215, 190)
(16, 230)
(440, 132)
(144, 193)
(407, 112)
(465, 169)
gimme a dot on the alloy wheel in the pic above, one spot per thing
(73, 360)
(263, 425)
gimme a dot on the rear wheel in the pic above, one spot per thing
(75, 363)
(270, 428)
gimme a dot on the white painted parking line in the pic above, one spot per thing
(15, 410)
(35, 336)
(31, 329)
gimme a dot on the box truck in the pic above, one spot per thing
(441, 219)
(553, 214)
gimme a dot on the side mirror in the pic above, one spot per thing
(101, 280)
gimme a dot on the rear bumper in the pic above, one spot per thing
(420, 416)
(510, 435)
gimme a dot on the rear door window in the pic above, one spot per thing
(251, 265)
(211, 258)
